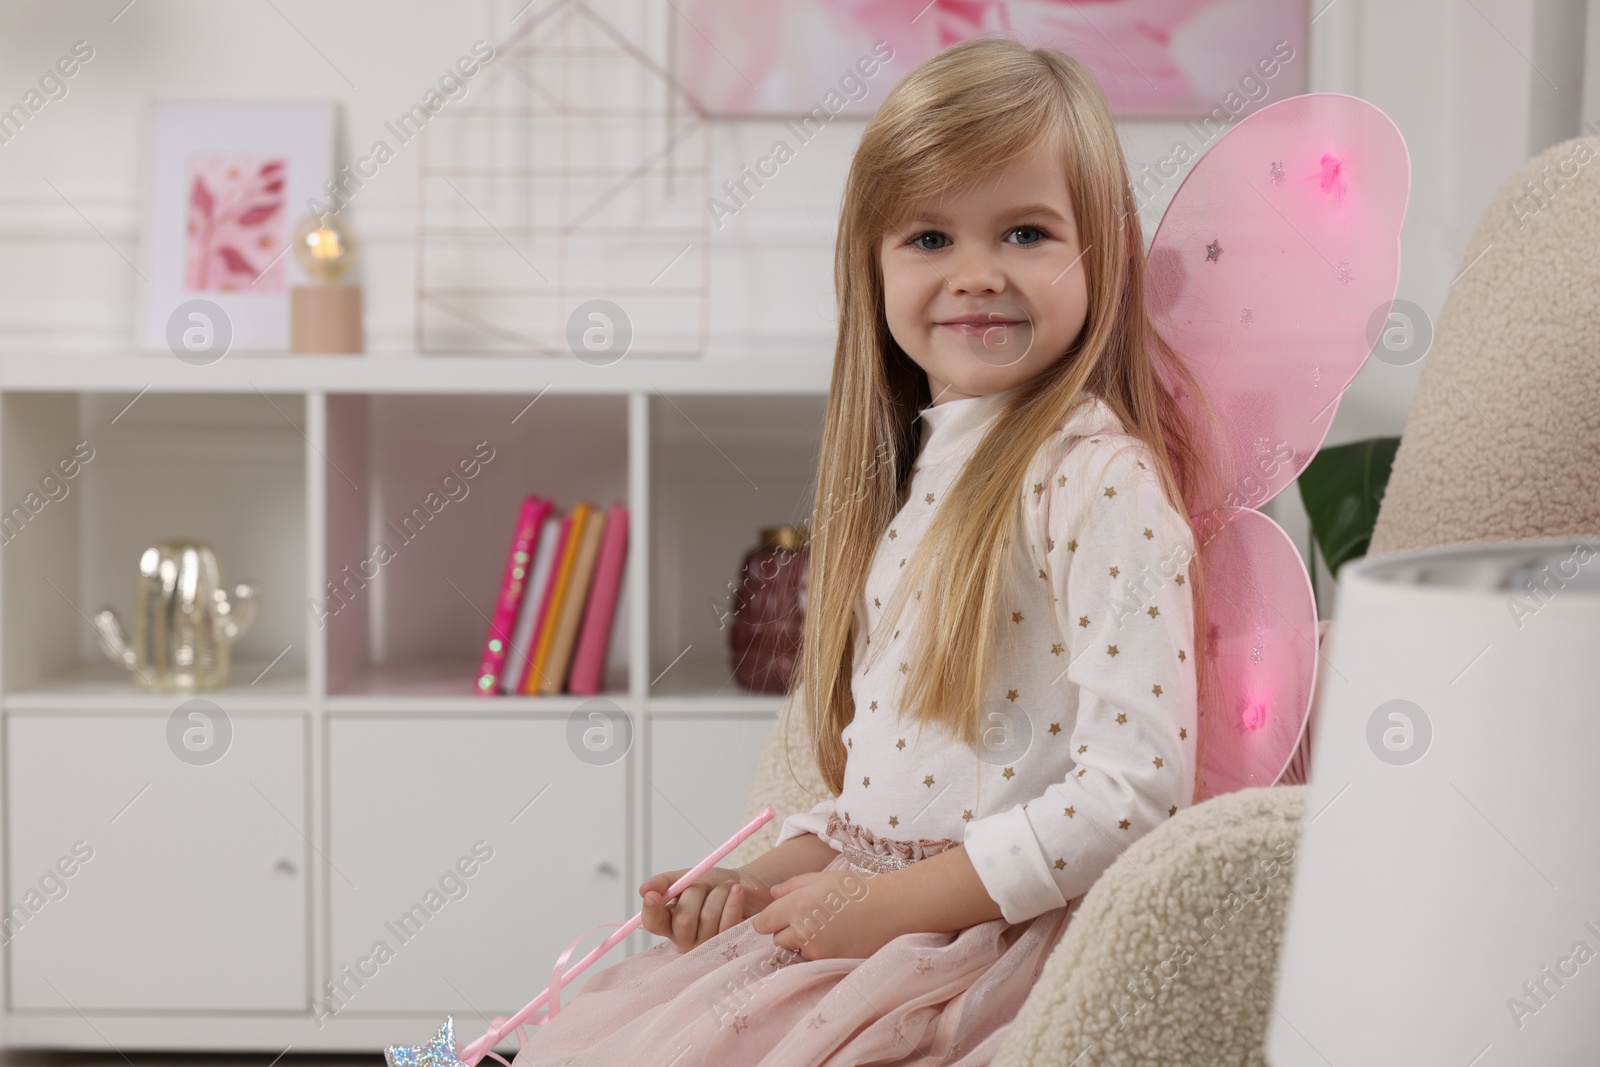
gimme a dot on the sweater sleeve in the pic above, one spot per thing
(814, 821)
(1116, 554)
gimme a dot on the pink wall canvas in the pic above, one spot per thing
(227, 182)
(235, 232)
(1155, 59)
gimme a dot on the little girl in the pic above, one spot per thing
(1000, 551)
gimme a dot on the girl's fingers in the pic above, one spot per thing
(733, 910)
(711, 910)
(686, 915)
(655, 915)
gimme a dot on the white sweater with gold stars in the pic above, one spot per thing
(1092, 700)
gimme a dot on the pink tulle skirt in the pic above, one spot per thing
(737, 1000)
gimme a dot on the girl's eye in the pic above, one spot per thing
(917, 241)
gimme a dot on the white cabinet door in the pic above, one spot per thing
(467, 853)
(141, 880)
(701, 769)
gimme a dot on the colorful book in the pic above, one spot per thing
(533, 595)
(572, 603)
(594, 640)
(504, 618)
(526, 684)
(539, 675)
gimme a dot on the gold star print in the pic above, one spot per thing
(929, 498)
(851, 742)
(1080, 773)
(1121, 718)
(1183, 733)
(1156, 689)
(1060, 863)
(1049, 544)
(896, 634)
(1123, 824)
(739, 1021)
(1016, 616)
(1009, 773)
(1011, 694)
(1152, 611)
(1061, 479)
(1055, 728)
(1083, 620)
(894, 820)
(1178, 579)
(1082, 749)
(1111, 650)
(1173, 810)
(892, 534)
(1181, 655)
(1070, 812)
(1056, 648)
(1043, 575)
(1072, 545)
(816, 1021)
(901, 743)
(1038, 489)
(1094, 440)
(928, 781)
(967, 815)
(866, 782)
(874, 706)
(905, 668)
(877, 603)
(902, 562)
(919, 594)
(1111, 490)
(1115, 572)
(1147, 534)
(1158, 763)
(1140, 462)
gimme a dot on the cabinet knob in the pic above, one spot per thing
(606, 868)
(286, 866)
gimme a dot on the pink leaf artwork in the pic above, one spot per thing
(236, 225)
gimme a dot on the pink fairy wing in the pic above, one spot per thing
(1279, 249)
(1269, 274)
(1262, 640)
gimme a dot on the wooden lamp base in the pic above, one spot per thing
(325, 318)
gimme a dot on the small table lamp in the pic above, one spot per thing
(326, 315)
(1446, 904)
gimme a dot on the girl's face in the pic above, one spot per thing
(986, 288)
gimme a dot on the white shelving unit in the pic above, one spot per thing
(221, 900)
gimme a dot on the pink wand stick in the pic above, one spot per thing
(475, 1052)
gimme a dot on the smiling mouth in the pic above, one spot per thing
(980, 327)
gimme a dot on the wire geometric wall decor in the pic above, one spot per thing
(562, 206)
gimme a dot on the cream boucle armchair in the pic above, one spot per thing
(1172, 956)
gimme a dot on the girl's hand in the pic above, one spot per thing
(831, 915)
(720, 900)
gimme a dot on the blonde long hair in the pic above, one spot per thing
(941, 129)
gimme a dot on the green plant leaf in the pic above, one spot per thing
(1342, 488)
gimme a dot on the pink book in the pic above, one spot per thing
(589, 661)
(542, 619)
(504, 619)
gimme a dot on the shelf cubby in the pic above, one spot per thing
(721, 470)
(422, 492)
(226, 469)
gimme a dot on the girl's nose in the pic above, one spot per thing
(975, 272)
